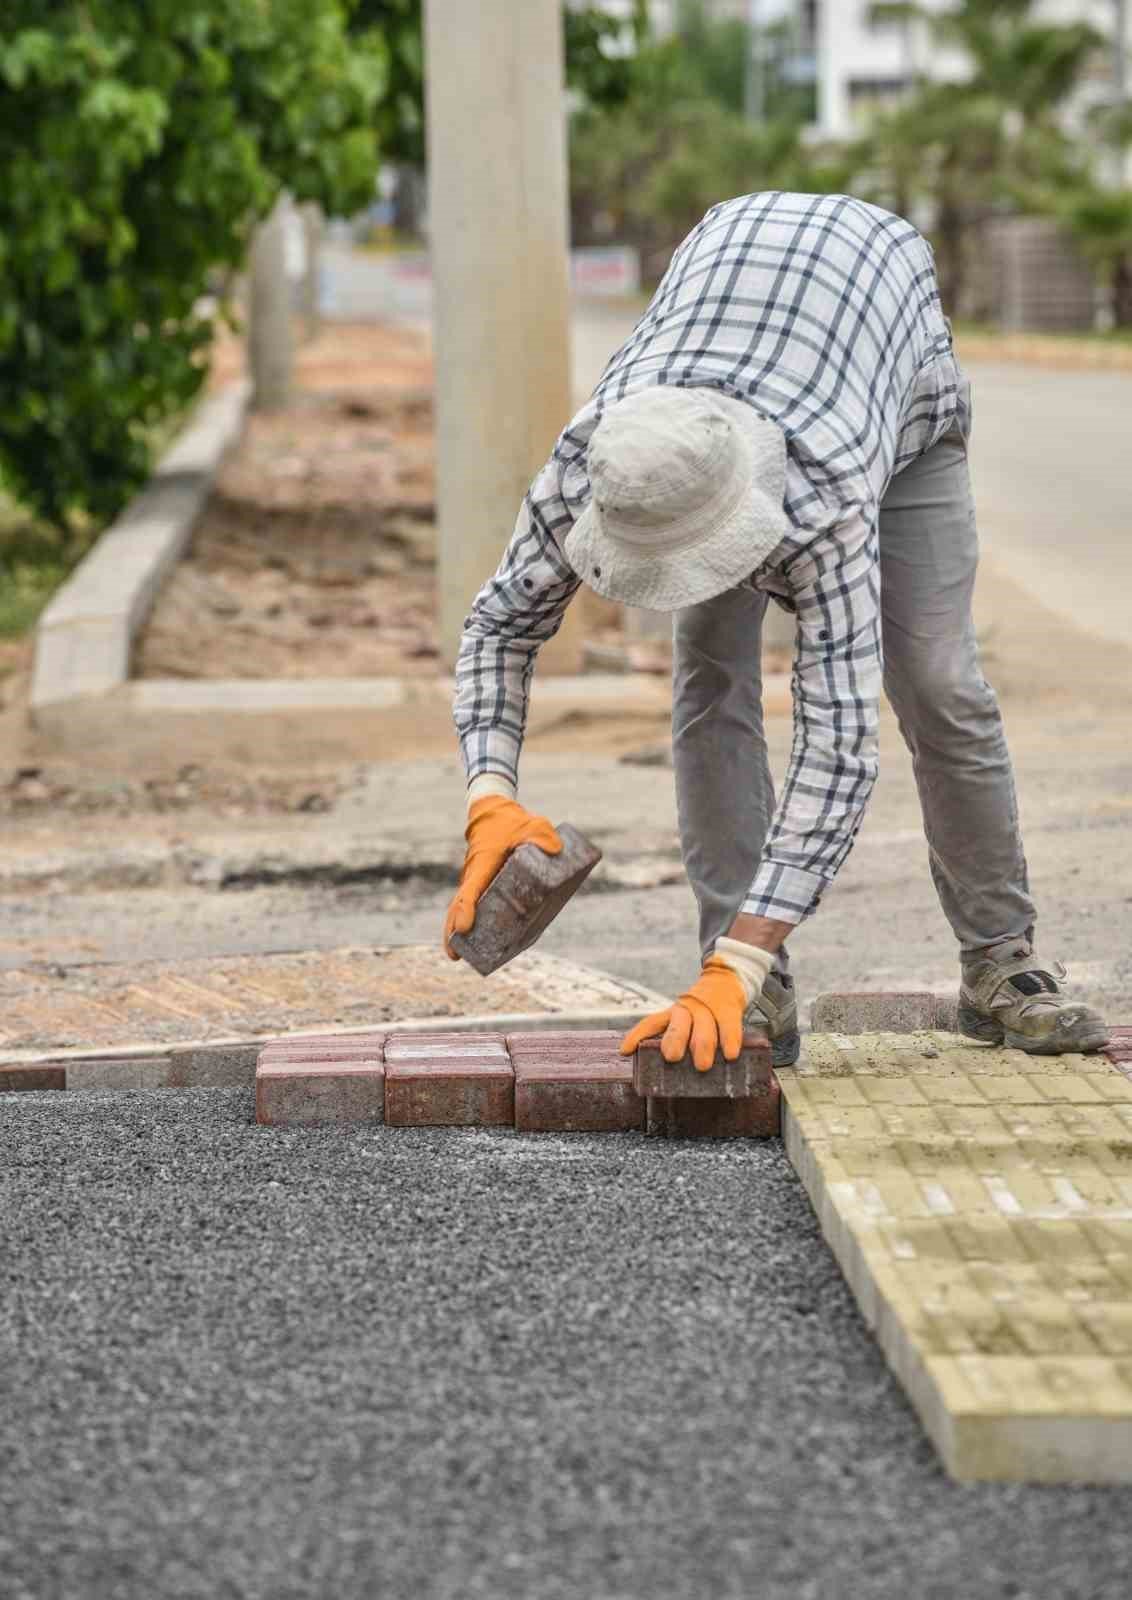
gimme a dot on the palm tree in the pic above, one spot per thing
(972, 147)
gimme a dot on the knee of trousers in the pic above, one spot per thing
(943, 698)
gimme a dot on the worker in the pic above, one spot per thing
(787, 420)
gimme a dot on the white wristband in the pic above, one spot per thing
(749, 964)
(490, 783)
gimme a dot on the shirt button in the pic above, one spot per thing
(528, 583)
(597, 572)
(824, 634)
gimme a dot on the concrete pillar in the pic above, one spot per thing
(270, 337)
(498, 230)
(313, 229)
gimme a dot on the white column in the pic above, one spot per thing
(313, 230)
(270, 336)
(498, 231)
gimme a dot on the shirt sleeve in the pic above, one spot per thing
(515, 613)
(835, 586)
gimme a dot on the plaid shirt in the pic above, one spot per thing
(824, 314)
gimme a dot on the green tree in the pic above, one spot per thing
(988, 142)
(648, 167)
(138, 147)
(1101, 219)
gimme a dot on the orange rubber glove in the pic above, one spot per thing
(710, 1014)
(495, 827)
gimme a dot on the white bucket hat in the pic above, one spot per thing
(687, 489)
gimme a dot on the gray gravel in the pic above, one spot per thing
(239, 1362)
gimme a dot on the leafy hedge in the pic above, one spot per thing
(139, 144)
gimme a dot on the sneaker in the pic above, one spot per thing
(776, 1010)
(1007, 996)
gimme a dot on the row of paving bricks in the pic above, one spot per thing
(568, 1082)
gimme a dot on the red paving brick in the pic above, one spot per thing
(16, 1078)
(294, 1092)
(1119, 1049)
(523, 899)
(748, 1074)
(757, 1116)
(446, 1046)
(369, 1048)
(595, 1096)
(565, 1081)
(449, 1091)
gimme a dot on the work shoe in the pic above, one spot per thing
(1007, 996)
(776, 1010)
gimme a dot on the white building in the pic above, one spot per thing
(863, 65)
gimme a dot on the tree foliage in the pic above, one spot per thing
(138, 147)
(647, 167)
(993, 141)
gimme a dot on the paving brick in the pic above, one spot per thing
(327, 1047)
(445, 1036)
(990, 1246)
(446, 1047)
(749, 1074)
(566, 1045)
(296, 1092)
(451, 1091)
(18, 1076)
(1119, 1049)
(577, 1096)
(120, 1072)
(225, 1064)
(906, 1011)
(523, 899)
(757, 1116)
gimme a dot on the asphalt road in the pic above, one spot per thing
(239, 1362)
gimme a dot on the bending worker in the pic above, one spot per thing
(787, 419)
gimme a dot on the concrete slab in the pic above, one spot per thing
(979, 1202)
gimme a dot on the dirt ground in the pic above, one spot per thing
(316, 557)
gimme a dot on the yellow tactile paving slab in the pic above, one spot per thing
(979, 1202)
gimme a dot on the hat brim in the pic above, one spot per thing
(660, 580)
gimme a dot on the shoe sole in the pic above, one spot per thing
(785, 1050)
(1085, 1039)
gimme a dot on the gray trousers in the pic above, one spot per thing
(947, 712)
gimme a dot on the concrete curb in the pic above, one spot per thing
(85, 635)
(328, 713)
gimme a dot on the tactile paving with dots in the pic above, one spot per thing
(979, 1201)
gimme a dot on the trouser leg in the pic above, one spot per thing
(724, 790)
(947, 711)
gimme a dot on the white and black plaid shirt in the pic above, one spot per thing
(824, 314)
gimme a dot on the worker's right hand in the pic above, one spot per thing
(707, 1016)
(496, 827)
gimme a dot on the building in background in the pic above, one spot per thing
(863, 65)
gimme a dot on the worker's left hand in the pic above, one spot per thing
(709, 1014)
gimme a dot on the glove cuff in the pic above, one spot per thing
(750, 965)
(490, 783)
